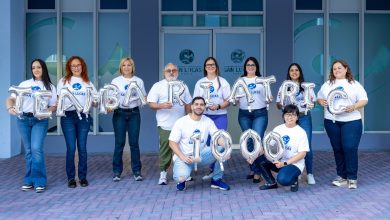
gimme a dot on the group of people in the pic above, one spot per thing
(177, 124)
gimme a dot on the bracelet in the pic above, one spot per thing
(219, 106)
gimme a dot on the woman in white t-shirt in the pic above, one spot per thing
(295, 73)
(34, 129)
(127, 119)
(257, 118)
(296, 146)
(75, 129)
(344, 130)
(219, 92)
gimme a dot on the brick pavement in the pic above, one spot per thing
(129, 199)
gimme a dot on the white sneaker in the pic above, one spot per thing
(163, 178)
(310, 179)
(352, 184)
(207, 176)
(339, 181)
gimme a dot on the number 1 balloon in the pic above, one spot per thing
(196, 152)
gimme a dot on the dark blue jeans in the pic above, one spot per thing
(256, 120)
(345, 138)
(287, 175)
(126, 120)
(305, 123)
(76, 132)
(33, 133)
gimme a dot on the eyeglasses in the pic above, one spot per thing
(210, 65)
(290, 115)
(75, 66)
(171, 70)
(251, 65)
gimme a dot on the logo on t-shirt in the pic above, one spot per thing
(252, 86)
(286, 139)
(339, 88)
(35, 88)
(76, 86)
(211, 89)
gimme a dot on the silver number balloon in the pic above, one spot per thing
(40, 104)
(196, 152)
(133, 86)
(61, 106)
(109, 98)
(332, 96)
(251, 156)
(288, 93)
(308, 102)
(19, 92)
(234, 95)
(266, 82)
(175, 93)
(273, 146)
(225, 155)
(206, 92)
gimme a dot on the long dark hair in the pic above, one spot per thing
(257, 66)
(45, 73)
(216, 69)
(301, 79)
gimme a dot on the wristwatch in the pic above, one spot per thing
(285, 163)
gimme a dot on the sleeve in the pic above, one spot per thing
(175, 134)
(361, 92)
(212, 127)
(320, 94)
(303, 143)
(142, 87)
(60, 85)
(53, 99)
(153, 95)
(225, 90)
(187, 96)
(313, 95)
(197, 90)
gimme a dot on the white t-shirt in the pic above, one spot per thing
(122, 84)
(167, 117)
(355, 93)
(257, 91)
(295, 141)
(36, 85)
(185, 127)
(77, 87)
(299, 97)
(217, 94)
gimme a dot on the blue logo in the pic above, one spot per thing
(35, 88)
(196, 131)
(339, 88)
(76, 86)
(286, 139)
(126, 86)
(186, 56)
(211, 89)
(252, 86)
(237, 56)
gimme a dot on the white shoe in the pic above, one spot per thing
(310, 179)
(339, 181)
(352, 184)
(163, 178)
(207, 176)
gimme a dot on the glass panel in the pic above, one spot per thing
(376, 71)
(176, 5)
(177, 20)
(113, 45)
(377, 4)
(344, 40)
(41, 4)
(41, 42)
(247, 20)
(309, 53)
(214, 5)
(212, 20)
(308, 4)
(247, 5)
(78, 38)
(110, 4)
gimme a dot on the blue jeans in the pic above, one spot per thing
(76, 131)
(305, 123)
(126, 120)
(287, 175)
(345, 138)
(256, 120)
(33, 133)
(181, 170)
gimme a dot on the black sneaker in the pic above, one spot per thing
(26, 187)
(116, 178)
(84, 182)
(39, 189)
(72, 183)
(294, 187)
(268, 186)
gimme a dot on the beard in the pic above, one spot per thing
(198, 113)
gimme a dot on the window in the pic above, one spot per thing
(41, 4)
